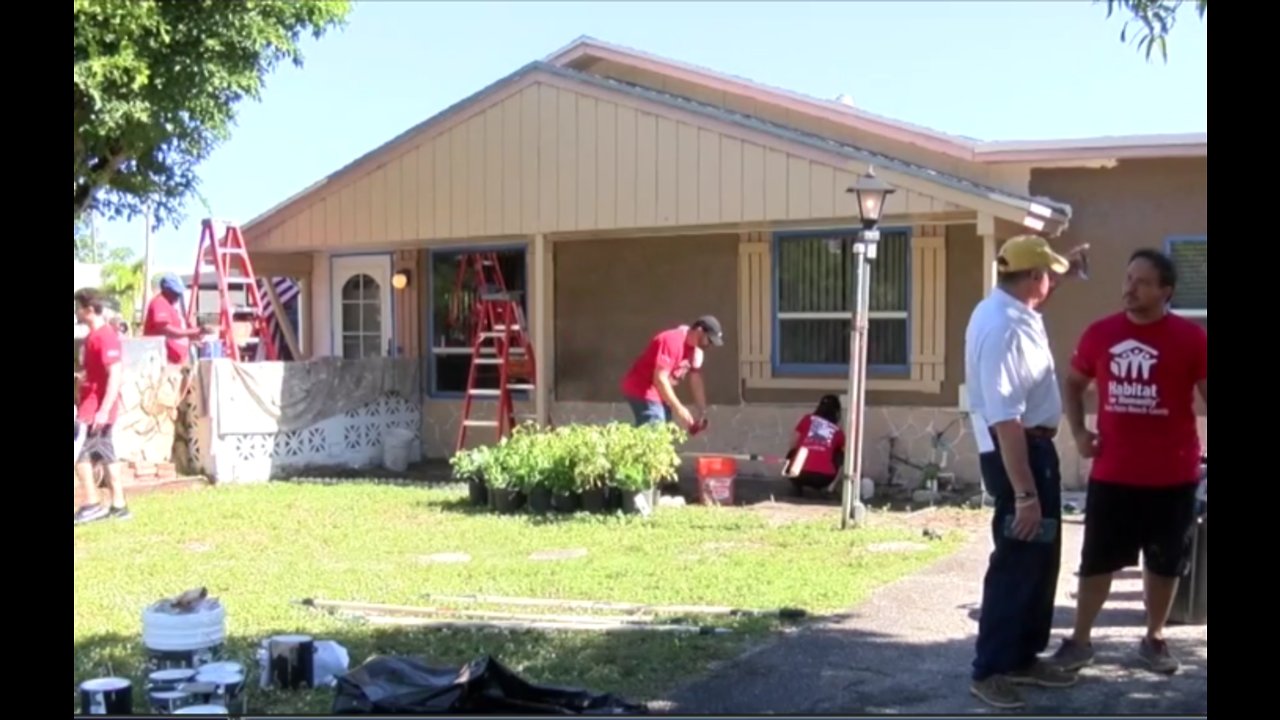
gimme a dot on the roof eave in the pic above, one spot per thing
(1069, 154)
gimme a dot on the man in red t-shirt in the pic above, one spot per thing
(649, 386)
(98, 409)
(1147, 364)
(164, 319)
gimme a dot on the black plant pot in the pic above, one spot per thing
(478, 493)
(506, 501)
(540, 500)
(596, 500)
(566, 502)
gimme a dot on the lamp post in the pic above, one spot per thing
(871, 193)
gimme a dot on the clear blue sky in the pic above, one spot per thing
(991, 70)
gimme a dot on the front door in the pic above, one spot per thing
(362, 310)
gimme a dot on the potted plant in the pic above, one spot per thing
(467, 466)
(588, 461)
(625, 453)
(532, 465)
(505, 488)
(660, 442)
(559, 476)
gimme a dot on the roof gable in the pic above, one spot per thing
(833, 162)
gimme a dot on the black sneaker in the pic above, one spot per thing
(90, 513)
(119, 513)
(1072, 656)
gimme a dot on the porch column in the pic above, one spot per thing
(543, 286)
(990, 246)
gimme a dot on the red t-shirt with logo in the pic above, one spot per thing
(161, 314)
(822, 439)
(1146, 378)
(101, 351)
(666, 351)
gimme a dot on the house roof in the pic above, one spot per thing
(1034, 212)
(1059, 211)
(581, 51)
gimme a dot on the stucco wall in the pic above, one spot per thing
(1136, 204)
(612, 296)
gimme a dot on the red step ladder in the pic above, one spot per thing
(242, 328)
(499, 341)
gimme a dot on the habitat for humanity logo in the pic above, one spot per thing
(1131, 388)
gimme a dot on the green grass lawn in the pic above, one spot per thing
(261, 548)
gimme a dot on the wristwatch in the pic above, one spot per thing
(1024, 496)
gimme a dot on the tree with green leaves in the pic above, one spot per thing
(88, 248)
(156, 87)
(123, 281)
(1155, 20)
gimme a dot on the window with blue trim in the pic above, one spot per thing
(451, 316)
(814, 281)
(1191, 258)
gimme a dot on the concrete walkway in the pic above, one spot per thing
(908, 650)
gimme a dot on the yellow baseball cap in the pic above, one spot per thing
(1030, 252)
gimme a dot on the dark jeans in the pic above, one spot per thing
(1019, 590)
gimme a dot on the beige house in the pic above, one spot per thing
(627, 194)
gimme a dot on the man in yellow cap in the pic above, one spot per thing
(1015, 406)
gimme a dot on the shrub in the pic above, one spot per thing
(575, 458)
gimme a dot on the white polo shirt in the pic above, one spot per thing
(1008, 368)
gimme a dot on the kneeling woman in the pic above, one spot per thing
(817, 451)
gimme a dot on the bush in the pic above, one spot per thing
(576, 458)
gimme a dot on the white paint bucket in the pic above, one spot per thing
(169, 679)
(183, 639)
(202, 710)
(227, 685)
(397, 449)
(106, 696)
(222, 667)
(168, 702)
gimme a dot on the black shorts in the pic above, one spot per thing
(98, 447)
(1122, 521)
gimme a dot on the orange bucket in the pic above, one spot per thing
(715, 480)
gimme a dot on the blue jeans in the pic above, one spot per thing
(649, 411)
(1019, 590)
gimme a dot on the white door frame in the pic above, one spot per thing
(341, 269)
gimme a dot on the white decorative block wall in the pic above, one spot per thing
(351, 441)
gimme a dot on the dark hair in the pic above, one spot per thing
(829, 409)
(1163, 264)
(91, 298)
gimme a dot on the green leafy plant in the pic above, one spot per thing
(586, 456)
(495, 466)
(469, 464)
(526, 458)
(660, 442)
(576, 458)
